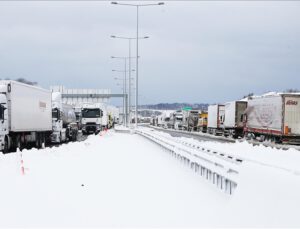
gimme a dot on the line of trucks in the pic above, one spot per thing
(273, 116)
(31, 116)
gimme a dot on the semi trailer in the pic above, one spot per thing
(234, 118)
(215, 120)
(275, 117)
(64, 124)
(25, 115)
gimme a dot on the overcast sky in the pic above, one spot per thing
(197, 51)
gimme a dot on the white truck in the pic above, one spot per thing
(64, 125)
(91, 119)
(161, 119)
(215, 120)
(25, 114)
(275, 117)
(190, 119)
(178, 119)
(234, 118)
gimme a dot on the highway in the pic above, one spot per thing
(195, 136)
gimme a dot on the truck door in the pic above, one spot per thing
(3, 116)
(292, 115)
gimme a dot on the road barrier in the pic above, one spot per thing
(219, 168)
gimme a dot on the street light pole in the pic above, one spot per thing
(137, 67)
(129, 81)
(125, 86)
(137, 50)
(129, 63)
(125, 95)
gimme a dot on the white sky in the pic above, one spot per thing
(197, 51)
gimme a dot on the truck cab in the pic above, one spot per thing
(59, 133)
(4, 139)
(91, 120)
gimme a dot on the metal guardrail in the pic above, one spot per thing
(216, 167)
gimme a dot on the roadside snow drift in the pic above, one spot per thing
(119, 179)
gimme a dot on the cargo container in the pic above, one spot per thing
(275, 117)
(25, 114)
(234, 118)
(216, 114)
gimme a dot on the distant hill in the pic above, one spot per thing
(175, 106)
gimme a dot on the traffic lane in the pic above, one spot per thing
(196, 137)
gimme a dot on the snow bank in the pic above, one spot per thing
(121, 179)
(110, 180)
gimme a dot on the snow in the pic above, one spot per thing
(122, 179)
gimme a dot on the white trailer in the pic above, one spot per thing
(275, 117)
(105, 115)
(215, 120)
(25, 113)
(161, 120)
(234, 118)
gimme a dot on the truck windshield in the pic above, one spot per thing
(55, 114)
(2, 112)
(78, 116)
(91, 113)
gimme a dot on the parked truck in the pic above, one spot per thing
(78, 114)
(234, 118)
(178, 119)
(64, 125)
(215, 121)
(202, 122)
(163, 120)
(190, 119)
(25, 114)
(275, 117)
(91, 119)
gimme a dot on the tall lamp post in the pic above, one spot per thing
(125, 82)
(137, 49)
(125, 95)
(129, 64)
(122, 88)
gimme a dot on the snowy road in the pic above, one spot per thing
(125, 180)
(197, 135)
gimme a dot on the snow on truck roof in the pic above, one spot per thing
(6, 82)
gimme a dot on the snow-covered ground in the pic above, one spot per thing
(120, 179)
